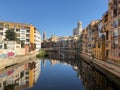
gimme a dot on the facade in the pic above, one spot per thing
(84, 41)
(26, 33)
(100, 39)
(37, 40)
(93, 40)
(77, 31)
(66, 42)
(90, 36)
(111, 28)
(103, 41)
(114, 9)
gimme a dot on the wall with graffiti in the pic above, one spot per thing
(11, 53)
(7, 54)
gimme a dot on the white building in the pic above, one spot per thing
(77, 31)
(37, 69)
(37, 40)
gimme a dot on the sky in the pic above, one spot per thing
(55, 17)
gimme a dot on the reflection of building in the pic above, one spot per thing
(22, 77)
(37, 69)
(44, 63)
(94, 80)
(53, 62)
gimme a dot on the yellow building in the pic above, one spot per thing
(31, 74)
(31, 78)
(99, 49)
(98, 41)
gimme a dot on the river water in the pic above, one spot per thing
(71, 73)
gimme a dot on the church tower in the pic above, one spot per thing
(44, 35)
(77, 31)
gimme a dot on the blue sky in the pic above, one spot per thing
(58, 17)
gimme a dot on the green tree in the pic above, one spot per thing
(11, 35)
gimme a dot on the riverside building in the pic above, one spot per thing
(27, 33)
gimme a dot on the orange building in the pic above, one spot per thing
(111, 27)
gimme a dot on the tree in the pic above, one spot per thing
(11, 35)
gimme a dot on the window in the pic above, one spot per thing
(17, 30)
(106, 35)
(115, 34)
(28, 31)
(119, 22)
(115, 24)
(27, 40)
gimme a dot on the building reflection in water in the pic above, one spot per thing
(24, 76)
(91, 77)
(21, 76)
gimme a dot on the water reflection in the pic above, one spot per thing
(20, 77)
(56, 75)
(92, 78)
(57, 72)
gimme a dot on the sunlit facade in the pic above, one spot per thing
(25, 32)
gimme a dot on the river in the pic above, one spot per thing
(69, 73)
